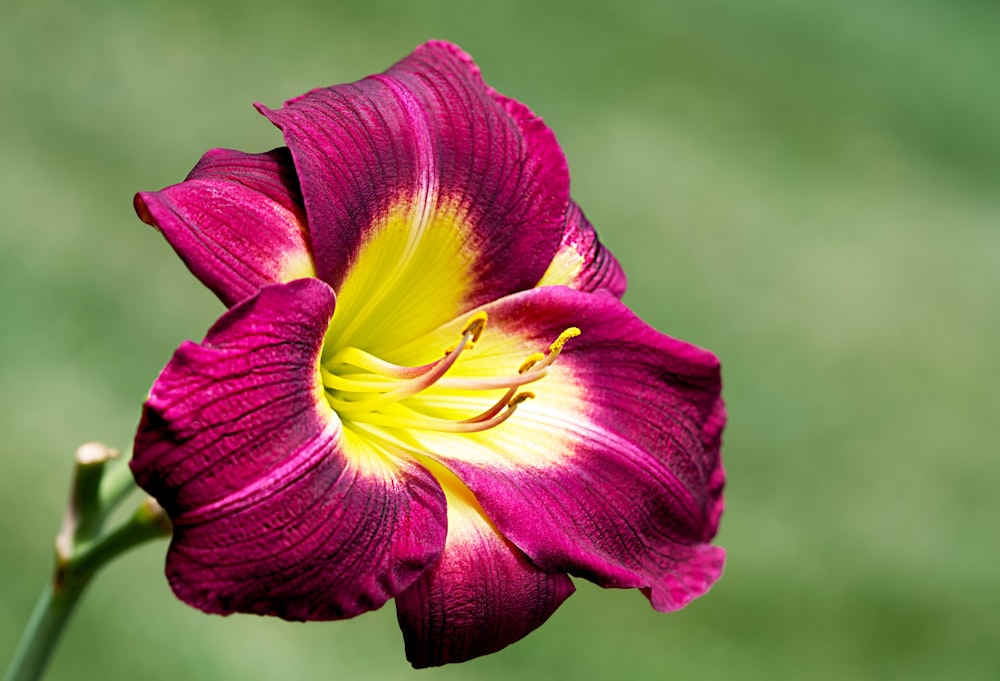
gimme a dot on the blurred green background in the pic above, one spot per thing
(812, 190)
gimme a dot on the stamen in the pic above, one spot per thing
(408, 387)
(533, 368)
(475, 325)
(509, 400)
(490, 382)
(533, 359)
(364, 388)
(557, 345)
(496, 408)
(475, 425)
(473, 328)
(363, 360)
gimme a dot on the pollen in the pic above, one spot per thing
(557, 346)
(367, 390)
(533, 359)
(476, 325)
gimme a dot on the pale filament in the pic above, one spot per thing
(381, 384)
(473, 425)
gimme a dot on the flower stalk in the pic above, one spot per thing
(102, 482)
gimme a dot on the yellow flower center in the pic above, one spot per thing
(365, 389)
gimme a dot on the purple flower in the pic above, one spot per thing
(426, 387)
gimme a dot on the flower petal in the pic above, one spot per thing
(482, 595)
(612, 472)
(236, 221)
(277, 508)
(427, 193)
(582, 262)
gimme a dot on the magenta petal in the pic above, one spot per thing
(582, 261)
(224, 413)
(271, 174)
(316, 539)
(612, 472)
(274, 510)
(429, 135)
(482, 595)
(236, 221)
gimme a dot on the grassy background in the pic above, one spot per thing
(811, 190)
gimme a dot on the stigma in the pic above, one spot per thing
(365, 389)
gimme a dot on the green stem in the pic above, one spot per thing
(148, 522)
(116, 484)
(83, 547)
(48, 620)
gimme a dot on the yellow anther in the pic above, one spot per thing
(475, 325)
(519, 398)
(557, 345)
(471, 332)
(533, 359)
(469, 344)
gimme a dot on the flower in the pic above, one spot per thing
(426, 387)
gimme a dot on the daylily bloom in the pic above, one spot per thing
(426, 386)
